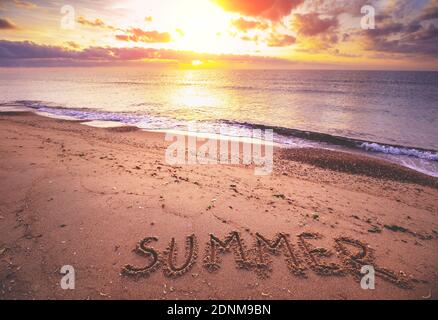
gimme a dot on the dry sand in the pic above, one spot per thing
(83, 196)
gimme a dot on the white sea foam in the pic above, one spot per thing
(376, 147)
(420, 160)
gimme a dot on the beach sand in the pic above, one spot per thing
(82, 196)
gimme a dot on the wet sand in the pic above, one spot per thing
(82, 196)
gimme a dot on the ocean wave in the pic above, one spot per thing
(140, 120)
(402, 151)
(370, 146)
(283, 136)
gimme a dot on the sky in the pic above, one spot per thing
(314, 34)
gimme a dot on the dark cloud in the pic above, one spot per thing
(402, 28)
(312, 24)
(139, 35)
(28, 50)
(411, 38)
(6, 24)
(345, 37)
(270, 9)
(429, 13)
(386, 29)
(26, 53)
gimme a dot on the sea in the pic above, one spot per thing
(391, 115)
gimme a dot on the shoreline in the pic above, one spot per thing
(85, 196)
(350, 145)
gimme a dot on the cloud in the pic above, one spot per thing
(429, 13)
(337, 7)
(421, 40)
(404, 29)
(254, 38)
(416, 36)
(312, 24)
(317, 33)
(30, 54)
(122, 37)
(280, 40)
(72, 44)
(94, 23)
(245, 25)
(29, 50)
(270, 9)
(13, 51)
(6, 24)
(139, 35)
(25, 4)
(18, 3)
(130, 35)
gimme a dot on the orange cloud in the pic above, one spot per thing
(270, 9)
(280, 40)
(122, 37)
(139, 35)
(248, 38)
(245, 25)
(72, 44)
(94, 23)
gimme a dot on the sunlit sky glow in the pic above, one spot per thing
(221, 33)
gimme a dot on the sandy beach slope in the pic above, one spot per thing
(76, 195)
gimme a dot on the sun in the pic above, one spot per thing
(196, 63)
(202, 26)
